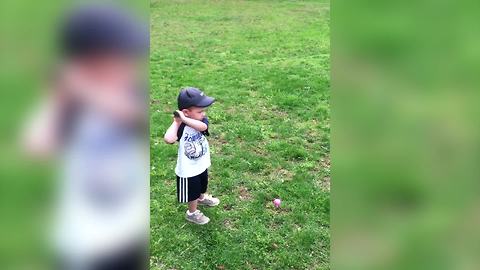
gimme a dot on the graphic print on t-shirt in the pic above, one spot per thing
(195, 146)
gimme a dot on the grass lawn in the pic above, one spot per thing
(268, 65)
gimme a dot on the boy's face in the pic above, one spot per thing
(110, 70)
(197, 113)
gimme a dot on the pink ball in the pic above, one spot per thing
(277, 202)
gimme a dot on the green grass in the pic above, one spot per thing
(267, 63)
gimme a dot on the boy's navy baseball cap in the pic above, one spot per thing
(191, 96)
(100, 28)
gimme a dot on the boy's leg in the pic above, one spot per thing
(204, 184)
(204, 199)
(203, 177)
(192, 206)
(189, 190)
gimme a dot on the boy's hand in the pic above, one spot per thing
(180, 115)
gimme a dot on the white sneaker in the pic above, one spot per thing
(208, 200)
(197, 217)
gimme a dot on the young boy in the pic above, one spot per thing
(93, 120)
(189, 128)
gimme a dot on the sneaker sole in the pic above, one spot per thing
(194, 222)
(210, 205)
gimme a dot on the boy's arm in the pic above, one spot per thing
(40, 136)
(198, 125)
(171, 133)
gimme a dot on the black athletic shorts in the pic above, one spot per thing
(133, 257)
(190, 188)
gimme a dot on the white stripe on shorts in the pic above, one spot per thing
(186, 189)
(183, 189)
(180, 190)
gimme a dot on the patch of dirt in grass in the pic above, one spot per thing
(284, 173)
(281, 174)
(221, 141)
(312, 133)
(244, 194)
(231, 111)
(260, 149)
(325, 162)
(227, 207)
(282, 210)
(228, 224)
(273, 226)
(280, 114)
(324, 182)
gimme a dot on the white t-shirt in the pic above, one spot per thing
(193, 151)
(104, 197)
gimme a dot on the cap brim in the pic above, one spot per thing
(205, 102)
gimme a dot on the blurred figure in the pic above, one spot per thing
(94, 120)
